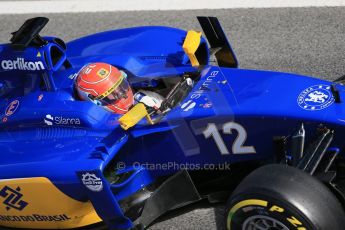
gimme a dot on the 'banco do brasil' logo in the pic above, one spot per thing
(315, 97)
(13, 198)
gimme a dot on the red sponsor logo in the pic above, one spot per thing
(12, 108)
(40, 97)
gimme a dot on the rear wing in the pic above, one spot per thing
(218, 42)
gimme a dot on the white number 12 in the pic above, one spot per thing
(237, 146)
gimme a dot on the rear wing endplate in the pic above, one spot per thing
(217, 39)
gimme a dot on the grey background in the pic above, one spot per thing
(307, 41)
(301, 40)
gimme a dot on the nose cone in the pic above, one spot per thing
(263, 93)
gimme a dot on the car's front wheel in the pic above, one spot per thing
(279, 197)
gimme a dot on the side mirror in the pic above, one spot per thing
(190, 46)
(133, 116)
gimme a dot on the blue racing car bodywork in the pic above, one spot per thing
(67, 163)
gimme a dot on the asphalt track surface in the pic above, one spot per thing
(308, 41)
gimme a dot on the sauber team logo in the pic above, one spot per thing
(316, 97)
(13, 198)
(92, 182)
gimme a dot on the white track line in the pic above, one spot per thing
(74, 6)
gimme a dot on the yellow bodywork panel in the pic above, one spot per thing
(133, 116)
(37, 203)
(190, 46)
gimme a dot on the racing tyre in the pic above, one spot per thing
(280, 197)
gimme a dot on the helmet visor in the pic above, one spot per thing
(119, 92)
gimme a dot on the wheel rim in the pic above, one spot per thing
(259, 222)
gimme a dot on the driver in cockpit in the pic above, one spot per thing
(106, 86)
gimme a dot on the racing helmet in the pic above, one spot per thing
(106, 86)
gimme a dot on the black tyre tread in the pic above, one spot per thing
(301, 190)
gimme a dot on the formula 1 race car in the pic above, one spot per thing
(268, 144)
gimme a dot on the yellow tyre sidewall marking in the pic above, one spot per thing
(274, 208)
(243, 204)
